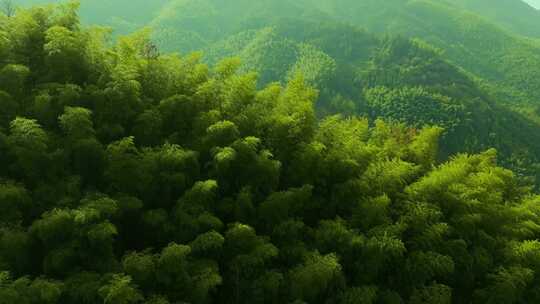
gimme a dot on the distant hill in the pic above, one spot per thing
(516, 16)
(509, 62)
(484, 38)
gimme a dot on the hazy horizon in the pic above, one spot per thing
(534, 3)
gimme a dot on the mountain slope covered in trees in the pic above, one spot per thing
(494, 40)
(383, 78)
(129, 175)
(508, 62)
(517, 16)
(277, 38)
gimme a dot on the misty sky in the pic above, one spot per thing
(534, 3)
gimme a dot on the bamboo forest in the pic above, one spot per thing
(270, 152)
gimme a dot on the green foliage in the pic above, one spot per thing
(414, 106)
(120, 290)
(77, 123)
(14, 202)
(455, 73)
(133, 177)
(26, 290)
(316, 277)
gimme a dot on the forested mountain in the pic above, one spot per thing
(497, 69)
(509, 63)
(296, 159)
(516, 16)
(488, 46)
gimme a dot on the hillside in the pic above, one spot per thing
(507, 62)
(188, 25)
(486, 38)
(516, 16)
(348, 71)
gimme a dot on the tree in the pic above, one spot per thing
(120, 290)
(29, 143)
(177, 272)
(7, 7)
(359, 295)
(88, 159)
(10, 109)
(209, 244)
(64, 54)
(281, 206)
(148, 128)
(245, 163)
(435, 293)
(77, 123)
(170, 170)
(124, 171)
(26, 290)
(142, 268)
(14, 203)
(318, 277)
(13, 79)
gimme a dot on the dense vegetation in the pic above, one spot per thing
(489, 47)
(516, 16)
(496, 40)
(129, 176)
(347, 63)
(482, 75)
